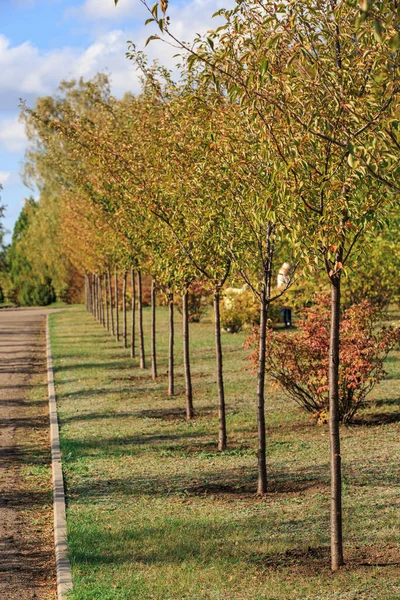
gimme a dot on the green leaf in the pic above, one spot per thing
(350, 160)
(152, 37)
(377, 30)
(263, 66)
(154, 11)
(394, 42)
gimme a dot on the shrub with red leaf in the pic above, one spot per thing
(298, 361)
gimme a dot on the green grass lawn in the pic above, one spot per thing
(155, 512)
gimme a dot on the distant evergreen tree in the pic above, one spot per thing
(26, 287)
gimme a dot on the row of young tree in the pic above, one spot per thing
(280, 139)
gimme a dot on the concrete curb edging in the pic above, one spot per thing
(63, 567)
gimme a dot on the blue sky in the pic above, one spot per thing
(45, 41)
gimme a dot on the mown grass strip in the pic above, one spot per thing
(155, 512)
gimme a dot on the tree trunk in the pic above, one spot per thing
(103, 320)
(186, 358)
(90, 294)
(98, 299)
(106, 292)
(116, 306)
(111, 301)
(133, 313)
(222, 438)
(86, 293)
(124, 325)
(87, 286)
(262, 451)
(95, 296)
(142, 358)
(171, 386)
(334, 435)
(153, 332)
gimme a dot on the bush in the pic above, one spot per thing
(38, 294)
(299, 361)
(239, 309)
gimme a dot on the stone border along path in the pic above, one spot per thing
(64, 577)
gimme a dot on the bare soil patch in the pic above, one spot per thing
(27, 565)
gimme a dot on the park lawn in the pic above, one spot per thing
(155, 512)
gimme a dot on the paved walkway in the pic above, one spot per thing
(27, 565)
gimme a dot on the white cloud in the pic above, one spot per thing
(12, 135)
(28, 71)
(106, 9)
(4, 177)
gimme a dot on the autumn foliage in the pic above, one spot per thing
(299, 362)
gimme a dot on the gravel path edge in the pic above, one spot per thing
(63, 567)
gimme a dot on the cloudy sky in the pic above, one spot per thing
(45, 41)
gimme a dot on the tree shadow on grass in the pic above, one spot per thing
(376, 419)
(173, 414)
(167, 414)
(107, 366)
(383, 402)
(239, 482)
(116, 445)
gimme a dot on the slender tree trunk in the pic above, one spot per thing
(106, 293)
(111, 301)
(91, 294)
(186, 358)
(262, 349)
(116, 306)
(171, 378)
(334, 435)
(99, 296)
(153, 332)
(103, 306)
(262, 452)
(95, 296)
(142, 358)
(98, 300)
(124, 331)
(104, 299)
(222, 437)
(86, 293)
(96, 291)
(133, 313)
(90, 304)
